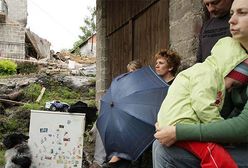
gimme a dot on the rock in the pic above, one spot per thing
(88, 69)
(4, 89)
(75, 72)
(78, 82)
(12, 83)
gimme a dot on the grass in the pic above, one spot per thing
(2, 162)
(61, 93)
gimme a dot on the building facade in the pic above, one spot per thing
(128, 30)
(88, 48)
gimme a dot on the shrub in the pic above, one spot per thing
(91, 103)
(7, 67)
(26, 68)
(91, 92)
(68, 93)
(7, 126)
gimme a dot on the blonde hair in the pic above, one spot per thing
(133, 65)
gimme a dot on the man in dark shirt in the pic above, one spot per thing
(215, 27)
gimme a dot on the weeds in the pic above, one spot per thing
(26, 68)
(32, 92)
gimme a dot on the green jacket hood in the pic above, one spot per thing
(225, 55)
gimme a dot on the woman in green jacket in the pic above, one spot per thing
(230, 130)
(197, 94)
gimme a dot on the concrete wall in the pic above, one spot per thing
(12, 41)
(102, 70)
(185, 23)
(17, 11)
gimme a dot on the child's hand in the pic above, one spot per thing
(157, 126)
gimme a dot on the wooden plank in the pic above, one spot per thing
(137, 33)
(151, 32)
(130, 38)
(120, 12)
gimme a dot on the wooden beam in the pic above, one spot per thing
(11, 101)
(130, 36)
(41, 94)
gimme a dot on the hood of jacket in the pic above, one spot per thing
(226, 54)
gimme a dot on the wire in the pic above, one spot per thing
(53, 19)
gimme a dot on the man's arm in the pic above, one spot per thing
(231, 130)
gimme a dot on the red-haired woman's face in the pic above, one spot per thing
(162, 67)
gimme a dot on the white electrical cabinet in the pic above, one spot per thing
(56, 139)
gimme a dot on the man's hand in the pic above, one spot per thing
(166, 136)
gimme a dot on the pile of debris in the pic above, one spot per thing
(67, 63)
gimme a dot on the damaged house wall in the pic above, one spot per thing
(12, 41)
(12, 31)
(43, 46)
(17, 11)
(36, 47)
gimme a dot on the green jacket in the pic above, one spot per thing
(197, 93)
(231, 130)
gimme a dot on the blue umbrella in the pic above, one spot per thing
(128, 112)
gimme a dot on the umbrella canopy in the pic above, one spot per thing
(128, 112)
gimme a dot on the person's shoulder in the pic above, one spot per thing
(227, 40)
(216, 23)
(195, 70)
(226, 45)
